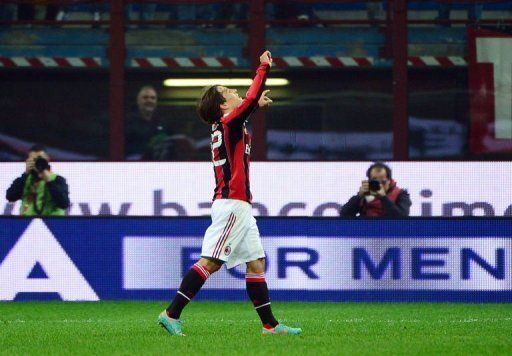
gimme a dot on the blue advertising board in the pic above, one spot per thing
(419, 259)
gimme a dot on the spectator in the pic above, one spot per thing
(474, 12)
(378, 196)
(42, 192)
(148, 136)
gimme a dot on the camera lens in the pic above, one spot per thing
(374, 185)
(41, 164)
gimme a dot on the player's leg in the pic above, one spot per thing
(223, 223)
(251, 250)
(223, 220)
(257, 290)
(189, 287)
(192, 282)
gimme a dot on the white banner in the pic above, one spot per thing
(334, 263)
(279, 188)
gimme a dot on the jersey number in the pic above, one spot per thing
(216, 143)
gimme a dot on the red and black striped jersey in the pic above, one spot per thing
(231, 145)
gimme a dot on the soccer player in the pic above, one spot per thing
(233, 237)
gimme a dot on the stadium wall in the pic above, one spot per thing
(322, 259)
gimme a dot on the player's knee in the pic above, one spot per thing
(257, 266)
(210, 264)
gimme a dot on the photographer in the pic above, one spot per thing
(42, 192)
(378, 196)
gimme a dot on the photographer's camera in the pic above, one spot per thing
(40, 164)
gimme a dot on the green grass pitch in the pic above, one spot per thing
(221, 328)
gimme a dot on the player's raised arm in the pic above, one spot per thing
(258, 82)
(250, 102)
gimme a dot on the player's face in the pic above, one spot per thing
(147, 100)
(231, 96)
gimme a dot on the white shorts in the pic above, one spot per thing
(233, 236)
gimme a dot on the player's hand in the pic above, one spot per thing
(266, 57)
(364, 189)
(264, 100)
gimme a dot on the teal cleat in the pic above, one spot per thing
(281, 330)
(172, 326)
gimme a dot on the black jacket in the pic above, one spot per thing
(57, 188)
(400, 208)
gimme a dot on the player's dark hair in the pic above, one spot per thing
(379, 165)
(208, 106)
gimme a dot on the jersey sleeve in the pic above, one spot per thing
(250, 102)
